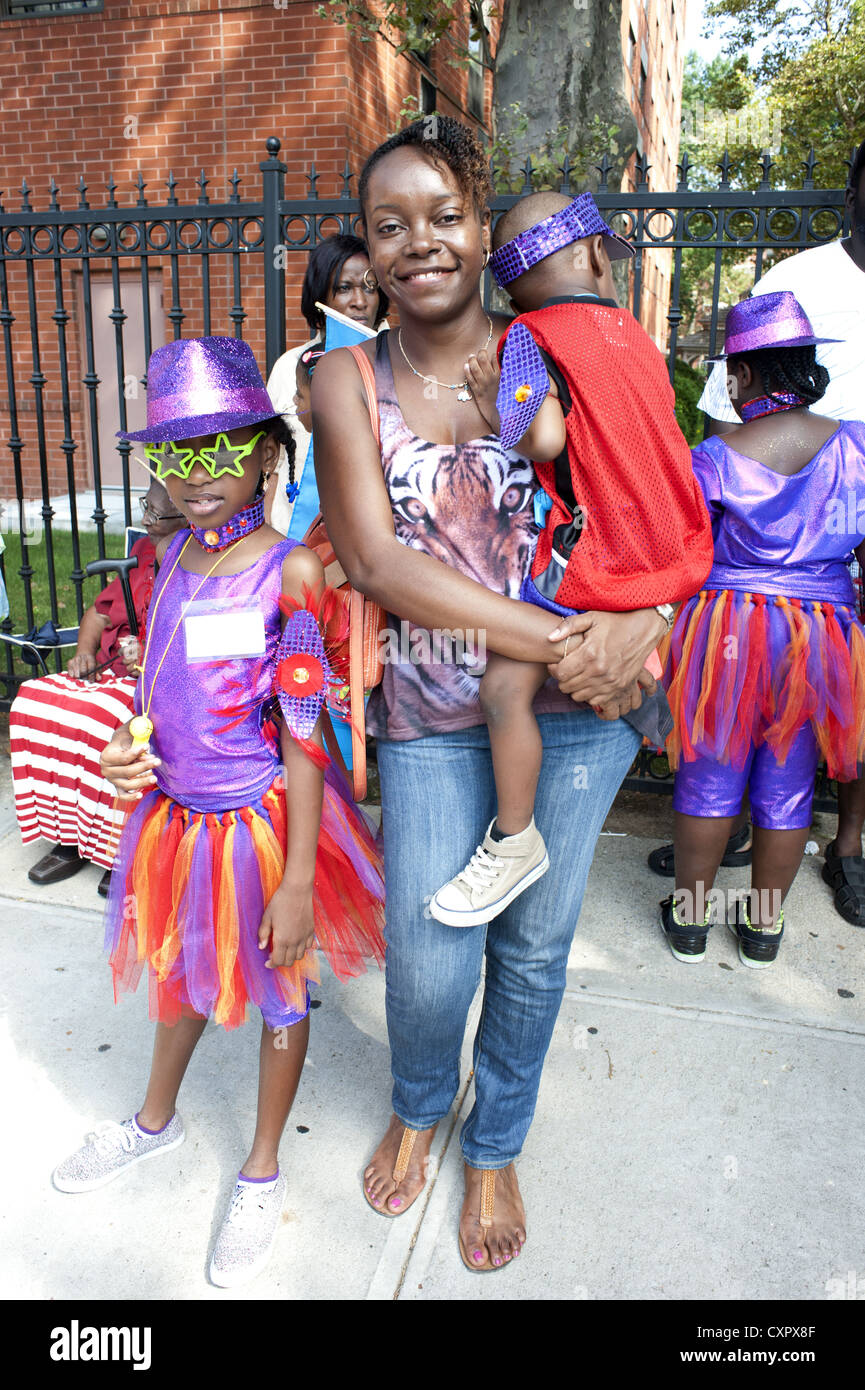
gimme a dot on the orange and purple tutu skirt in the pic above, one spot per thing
(747, 669)
(190, 888)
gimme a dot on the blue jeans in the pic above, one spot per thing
(438, 797)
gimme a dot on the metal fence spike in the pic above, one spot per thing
(724, 166)
(603, 172)
(766, 165)
(809, 165)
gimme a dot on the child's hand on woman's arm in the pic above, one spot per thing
(483, 375)
(127, 769)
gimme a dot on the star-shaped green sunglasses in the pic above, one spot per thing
(218, 458)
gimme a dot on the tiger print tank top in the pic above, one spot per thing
(470, 506)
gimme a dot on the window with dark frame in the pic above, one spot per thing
(475, 91)
(428, 96)
(44, 9)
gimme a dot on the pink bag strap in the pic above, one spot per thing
(367, 372)
(356, 603)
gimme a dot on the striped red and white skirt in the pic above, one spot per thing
(58, 728)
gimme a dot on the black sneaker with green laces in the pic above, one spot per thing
(687, 940)
(758, 946)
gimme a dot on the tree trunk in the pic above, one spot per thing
(559, 85)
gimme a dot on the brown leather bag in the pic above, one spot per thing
(366, 620)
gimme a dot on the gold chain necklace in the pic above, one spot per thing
(141, 726)
(464, 394)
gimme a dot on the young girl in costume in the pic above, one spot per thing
(228, 872)
(766, 670)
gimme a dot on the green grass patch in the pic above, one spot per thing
(37, 556)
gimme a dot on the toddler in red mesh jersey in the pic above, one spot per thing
(580, 384)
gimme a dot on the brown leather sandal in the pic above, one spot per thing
(400, 1168)
(488, 1202)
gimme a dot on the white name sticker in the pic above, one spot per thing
(215, 631)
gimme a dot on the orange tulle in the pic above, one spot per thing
(189, 895)
(743, 669)
(679, 742)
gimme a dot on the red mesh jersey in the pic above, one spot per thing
(646, 536)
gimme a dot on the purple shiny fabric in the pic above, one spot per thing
(579, 219)
(768, 320)
(202, 768)
(199, 386)
(792, 535)
(522, 367)
(780, 797)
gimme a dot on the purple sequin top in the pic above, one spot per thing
(793, 535)
(205, 766)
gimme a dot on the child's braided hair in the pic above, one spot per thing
(443, 140)
(790, 369)
(281, 432)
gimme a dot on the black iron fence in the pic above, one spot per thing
(80, 314)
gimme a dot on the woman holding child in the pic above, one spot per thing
(438, 527)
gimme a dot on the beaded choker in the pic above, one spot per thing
(767, 405)
(243, 523)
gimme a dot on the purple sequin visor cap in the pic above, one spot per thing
(199, 386)
(765, 321)
(578, 220)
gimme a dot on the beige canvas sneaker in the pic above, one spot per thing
(498, 871)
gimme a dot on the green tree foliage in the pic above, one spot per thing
(807, 73)
(415, 25)
(688, 385)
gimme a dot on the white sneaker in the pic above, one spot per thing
(245, 1243)
(498, 871)
(110, 1150)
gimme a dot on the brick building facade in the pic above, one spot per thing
(144, 87)
(182, 86)
(653, 51)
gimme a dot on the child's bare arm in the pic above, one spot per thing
(545, 437)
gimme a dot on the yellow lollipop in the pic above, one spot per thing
(141, 729)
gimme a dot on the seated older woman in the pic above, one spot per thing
(58, 725)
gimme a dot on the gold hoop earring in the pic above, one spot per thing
(367, 284)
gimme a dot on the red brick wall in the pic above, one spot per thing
(180, 85)
(659, 29)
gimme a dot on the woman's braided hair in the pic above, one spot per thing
(443, 140)
(790, 369)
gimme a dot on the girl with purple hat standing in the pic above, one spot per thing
(766, 669)
(243, 850)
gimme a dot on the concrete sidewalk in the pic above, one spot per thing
(697, 1132)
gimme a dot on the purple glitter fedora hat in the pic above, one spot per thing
(579, 219)
(198, 386)
(765, 321)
